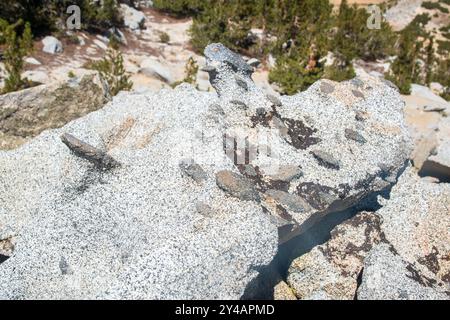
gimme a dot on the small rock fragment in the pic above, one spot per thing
(260, 111)
(326, 87)
(357, 94)
(434, 108)
(357, 82)
(193, 170)
(241, 82)
(326, 159)
(354, 135)
(291, 201)
(361, 115)
(274, 100)
(52, 45)
(220, 54)
(6, 247)
(236, 185)
(216, 108)
(208, 68)
(389, 84)
(204, 209)
(287, 173)
(64, 266)
(239, 103)
(101, 159)
(254, 62)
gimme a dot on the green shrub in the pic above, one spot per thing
(293, 75)
(227, 22)
(404, 68)
(429, 62)
(99, 16)
(339, 73)
(305, 26)
(444, 47)
(190, 70)
(46, 16)
(16, 49)
(434, 5)
(112, 71)
(164, 37)
(180, 8)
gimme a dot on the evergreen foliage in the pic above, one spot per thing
(190, 70)
(112, 71)
(46, 16)
(16, 49)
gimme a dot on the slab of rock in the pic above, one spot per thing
(153, 68)
(416, 222)
(387, 277)
(398, 252)
(127, 232)
(402, 13)
(52, 45)
(343, 160)
(438, 163)
(132, 18)
(32, 60)
(26, 113)
(282, 291)
(36, 76)
(193, 170)
(236, 185)
(331, 270)
(138, 231)
(426, 93)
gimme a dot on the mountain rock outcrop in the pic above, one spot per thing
(203, 189)
(401, 251)
(26, 113)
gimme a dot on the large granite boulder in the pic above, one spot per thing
(26, 113)
(52, 45)
(387, 276)
(319, 151)
(416, 223)
(401, 251)
(331, 270)
(179, 194)
(132, 18)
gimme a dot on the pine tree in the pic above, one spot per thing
(16, 48)
(405, 69)
(429, 61)
(305, 27)
(112, 71)
(405, 65)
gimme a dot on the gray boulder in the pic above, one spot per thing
(158, 227)
(399, 252)
(26, 113)
(331, 270)
(132, 18)
(387, 277)
(134, 231)
(52, 45)
(310, 130)
(416, 222)
(151, 67)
